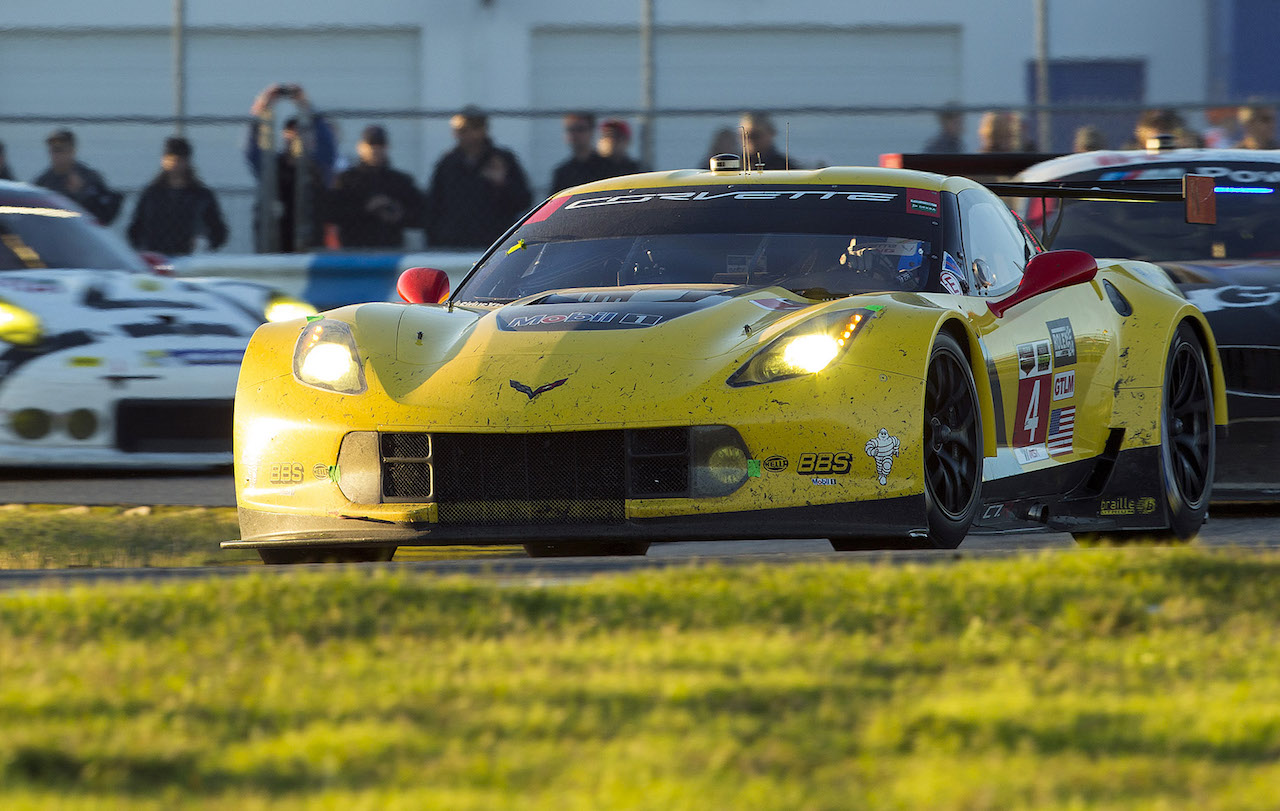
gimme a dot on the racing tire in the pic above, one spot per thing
(952, 445)
(576, 549)
(1187, 446)
(326, 554)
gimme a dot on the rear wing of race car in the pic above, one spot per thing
(1196, 191)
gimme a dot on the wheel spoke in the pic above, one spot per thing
(957, 471)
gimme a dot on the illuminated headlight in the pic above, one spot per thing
(18, 326)
(287, 308)
(804, 350)
(326, 357)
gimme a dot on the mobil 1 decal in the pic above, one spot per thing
(1030, 422)
(1064, 342)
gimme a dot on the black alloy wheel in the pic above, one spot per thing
(952, 445)
(1187, 429)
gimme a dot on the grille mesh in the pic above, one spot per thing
(659, 462)
(555, 478)
(507, 479)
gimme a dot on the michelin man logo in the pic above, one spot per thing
(883, 448)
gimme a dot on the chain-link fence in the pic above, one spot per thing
(127, 149)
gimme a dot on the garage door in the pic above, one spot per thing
(749, 68)
(130, 72)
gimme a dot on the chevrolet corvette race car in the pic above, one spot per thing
(1230, 270)
(104, 363)
(884, 358)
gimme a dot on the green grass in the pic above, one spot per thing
(1143, 678)
(60, 537)
(51, 536)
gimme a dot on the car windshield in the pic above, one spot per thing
(821, 244)
(35, 236)
(1248, 209)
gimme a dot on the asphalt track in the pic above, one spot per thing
(1239, 527)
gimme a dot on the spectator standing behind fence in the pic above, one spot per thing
(584, 163)
(1258, 123)
(1088, 139)
(947, 140)
(319, 148)
(724, 141)
(6, 172)
(761, 136)
(1162, 129)
(614, 146)
(68, 176)
(1002, 131)
(177, 214)
(1223, 131)
(477, 189)
(371, 203)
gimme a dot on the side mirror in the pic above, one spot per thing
(423, 286)
(1047, 271)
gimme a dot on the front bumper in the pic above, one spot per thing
(103, 410)
(888, 518)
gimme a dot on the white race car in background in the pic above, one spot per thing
(104, 362)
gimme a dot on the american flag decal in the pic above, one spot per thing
(1062, 423)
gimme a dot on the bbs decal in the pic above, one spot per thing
(835, 462)
(287, 473)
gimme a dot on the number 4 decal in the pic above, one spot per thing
(1033, 403)
(1032, 419)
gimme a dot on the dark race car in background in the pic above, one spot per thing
(1229, 270)
(103, 361)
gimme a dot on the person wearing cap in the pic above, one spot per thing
(177, 214)
(477, 189)
(316, 149)
(371, 203)
(615, 140)
(68, 176)
(761, 136)
(584, 163)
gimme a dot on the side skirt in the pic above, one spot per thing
(1108, 492)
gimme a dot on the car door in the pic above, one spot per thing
(1051, 359)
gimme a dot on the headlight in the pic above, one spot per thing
(806, 349)
(286, 308)
(326, 357)
(18, 326)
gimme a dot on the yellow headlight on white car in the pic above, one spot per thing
(326, 357)
(19, 326)
(287, 308)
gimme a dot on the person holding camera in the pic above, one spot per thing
(371, 203)
(309, 145)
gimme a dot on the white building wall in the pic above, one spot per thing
(441, 54)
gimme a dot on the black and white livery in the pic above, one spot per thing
(104, 361)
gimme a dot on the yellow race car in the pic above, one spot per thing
(884, 358)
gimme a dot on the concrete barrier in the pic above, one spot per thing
(327, 280)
